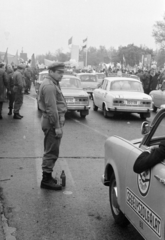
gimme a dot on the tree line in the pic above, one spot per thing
(128, 55)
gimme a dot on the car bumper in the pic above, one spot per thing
(132, 110)
(77, 107)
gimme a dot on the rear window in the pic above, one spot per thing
(69, 82)
(88, 78)
(42, 76)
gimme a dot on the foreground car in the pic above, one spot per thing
(121, 94)
(76, 98)
(137, 198)
(89, 81)
(158, 97)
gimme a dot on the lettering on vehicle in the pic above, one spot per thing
(143, 181)
(144, 212)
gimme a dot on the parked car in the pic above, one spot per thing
(89, 82)
(137, 198)
(158, 97)
(76, 98)
(120, 94)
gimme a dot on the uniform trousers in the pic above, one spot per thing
(18, 101)
(51, 150)
(11, 97)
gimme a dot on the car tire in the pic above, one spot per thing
(105, 113)
(143, 116)
(154, 108)
(115, 208)
(82, 115)
(95, 108)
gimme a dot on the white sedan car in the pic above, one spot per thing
(121, 94)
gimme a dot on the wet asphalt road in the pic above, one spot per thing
(81, 210)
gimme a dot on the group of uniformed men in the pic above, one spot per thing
(14, 82)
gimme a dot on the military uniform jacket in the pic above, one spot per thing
(51, 101)
(3, 84)
(148, 160)
(18, 81)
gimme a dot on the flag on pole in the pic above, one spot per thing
(70, 41)
(5, 57)
(84, 43)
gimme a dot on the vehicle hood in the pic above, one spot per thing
(74, 92)
(130, 95)
(89, 84)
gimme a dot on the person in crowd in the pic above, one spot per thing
(28, 76)
(53, 107)
(153, 79)
(149, 158)
(10, 85)
(3, 86)
(18, 79)
(145, 79)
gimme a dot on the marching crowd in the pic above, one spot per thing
(14, 82)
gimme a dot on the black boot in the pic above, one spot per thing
(16, 116)
(20, 115)
(48, 182)
(10, 111)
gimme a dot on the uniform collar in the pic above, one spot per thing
(53, 80)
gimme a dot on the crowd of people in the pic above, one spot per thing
(14, 82)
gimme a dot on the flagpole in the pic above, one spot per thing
(86, 56)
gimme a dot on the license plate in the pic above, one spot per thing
(132, 102)
(70, 100)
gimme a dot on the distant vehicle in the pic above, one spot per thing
(120, 94)
(137, 198)
(89, 82)
(100, 77)
(76, 98)
(158, 97)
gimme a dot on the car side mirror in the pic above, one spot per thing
(145, 128)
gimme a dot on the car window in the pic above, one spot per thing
(88, 78)
(42, 76)
(100, 76)
(126, 85)
(105, 85)
(69, 82)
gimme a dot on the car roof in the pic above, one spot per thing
(66, 75)
(111, 79)
(79, 74)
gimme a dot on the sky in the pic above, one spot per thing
(42, 26)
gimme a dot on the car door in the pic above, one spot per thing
(145, 192)
(102, 93)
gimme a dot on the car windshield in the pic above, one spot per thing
(70, 82)
(42, 76)
(125, 85)
(88, 78)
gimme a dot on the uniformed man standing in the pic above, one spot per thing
(3, 86)
(53, 107)
(18, 79)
